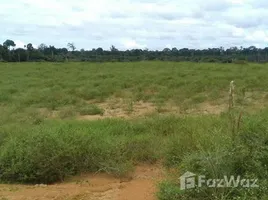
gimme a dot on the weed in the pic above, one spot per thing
(130, 106)
(91, 109)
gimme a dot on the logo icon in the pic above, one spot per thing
(187, 181)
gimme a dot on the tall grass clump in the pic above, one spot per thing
(246, 156)
(232, 147)
(53, 150)
(49, 153)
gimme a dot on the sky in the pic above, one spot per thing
(128, 24)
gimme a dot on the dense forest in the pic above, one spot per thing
(8, 53)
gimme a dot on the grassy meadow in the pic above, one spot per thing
(62, 119)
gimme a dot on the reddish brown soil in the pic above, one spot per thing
(141, 186)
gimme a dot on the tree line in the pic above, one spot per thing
(8, 53)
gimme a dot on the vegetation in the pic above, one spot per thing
(91, 110)
(215, 153)
(38, 147)
(44, 52)
(56, 85)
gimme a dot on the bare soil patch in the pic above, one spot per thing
(142, 185)
(119, 108)
(126, 108)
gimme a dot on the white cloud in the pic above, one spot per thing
(132, 44)
(238, 32)
(19, 44)
(168, 46)
(135, 23)
(257, 36)
(237, 1)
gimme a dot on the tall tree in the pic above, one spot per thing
(42, 47)
(29, 48)
(9, 43)
(1, 52)
(52, 49)
(21, 53)
(113, 49)
(99, 50)
(71, 46)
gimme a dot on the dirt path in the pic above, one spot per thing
(142, 186)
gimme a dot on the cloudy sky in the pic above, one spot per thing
(152, 24)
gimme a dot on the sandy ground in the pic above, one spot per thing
(129, 109)
(119, 109)
(141, 186)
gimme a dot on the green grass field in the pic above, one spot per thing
(176, 113)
